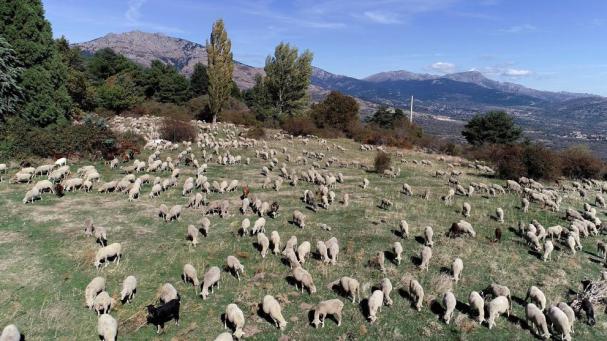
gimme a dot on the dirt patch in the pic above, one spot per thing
(9, 237)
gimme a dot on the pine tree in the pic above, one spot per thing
(220, 67)
(199, 82)
(287, 79)
(10, 92)
(46, 99)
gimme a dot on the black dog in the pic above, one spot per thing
(158, 316)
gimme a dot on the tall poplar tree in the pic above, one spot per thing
(219, 68)
(46, 99)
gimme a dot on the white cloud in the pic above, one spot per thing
(516, 73)
(443, 67)
(519, 28)
(381, 17)
(134, 19)
(133, 12)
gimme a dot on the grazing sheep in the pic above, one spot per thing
(211, 277)
(96, 286)
(404, 229)
(102, 303)
(174, 214)
(499, 215)
(537, 296)
(156, 189)
(259, 226)
(271, 307)
(548, 247)
(425, 256)
(31, 195)
(129, 289)
(386, 288)
(158, 316)
(448, 199)
(346, 200)
(163, 211)
(466, 210)
(321, 248)
(414, 290)
(525, 205)
(291, 257)
(461, 227)
(44, 186)
(263, 243)
(570, 314)
(234, 265)
(498, 306)
(601, 249)
(554, 231)
(107, 328)
(501, 290)
(428, 234)
(349, 285)
(244, 226)
(299, 219)
(291, 245)
(380, 259)
(111, 251)
(571, 243)
(477, 304)
(167, 293)
(449, 303)
(302, 251)
(193, 234)
(538, 320)
(11, 333)
(365, 183)
(375, 302)
(329, 307)
(397, 248)
(236, 317)
(189, 275)
(560, 322)
(107, 187)
(333, 249)
(275, 239)
(456, 269)
(406, 190)
(224, 337)
(304, 278)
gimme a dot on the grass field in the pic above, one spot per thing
(46, 261)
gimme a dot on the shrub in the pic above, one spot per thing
(541, 162)
(177, 131)
(382, 161)
(492, 127)
(256, 133)
(579, 163)
(299, 126)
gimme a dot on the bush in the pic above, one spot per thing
(492, 127)
(256, 133)
(382, 161)
(579, 163)
(299, 126)
(177, 131)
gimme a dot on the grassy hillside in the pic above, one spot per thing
(46, 261)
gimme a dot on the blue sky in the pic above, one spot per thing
(545, 44)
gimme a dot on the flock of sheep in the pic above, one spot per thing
(321, 173)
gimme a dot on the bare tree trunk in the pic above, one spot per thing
(214, 118)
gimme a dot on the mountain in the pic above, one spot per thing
(442, 102)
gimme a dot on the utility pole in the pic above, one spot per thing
(411, 112)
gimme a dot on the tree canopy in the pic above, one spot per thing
(387, 118)
(337, 111)
(219, 69)
(10, 92)
(199, 81)
(493, 127)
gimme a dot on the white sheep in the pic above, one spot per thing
(236, 317)
(211, 277)
(449, 303)
(570, 314)
(398, 250)
(329, 307)
(234, 265)
(380, 258)
(275, 239)
(571, 243)
(333, 249)
(466, 208)
(290, 245)
(193, 234)
(103, 303)
(263, 243)
(425, 256)
(525, 205)
(259, 226)
(96, 286)
(302, 251)
(129, 288)
(31, 195)
(428, 234)
(456, 269)
(11, 333)
(560, 322)
(167, 293)
(375, 302)
(538, 320)
(477, 304)
(271, 307)
(404, 229)
(174, 213)
(189, 275)
(244, 226)
(304, 278)
(107, 327)
(498, 306)
(349, 285)
(537, 296)
(414, 290)
(386, 288)
(499, 215)
(113, 250)
(548, 247)
(299, 219)
(365, 183)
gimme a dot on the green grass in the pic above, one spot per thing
(46, 261)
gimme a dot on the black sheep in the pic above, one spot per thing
(158, 316)
(589, 310)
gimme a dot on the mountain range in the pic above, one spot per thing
(442, 102)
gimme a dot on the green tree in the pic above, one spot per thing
(337, 111)
(78, 85)
(164, 84)
(106, 63)
(387, 118)
(118, 93)
(493, 127)
(287, 79)
(199, 82)
(220, 68)
(10, 92)
(46, 100)
(258, 99)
